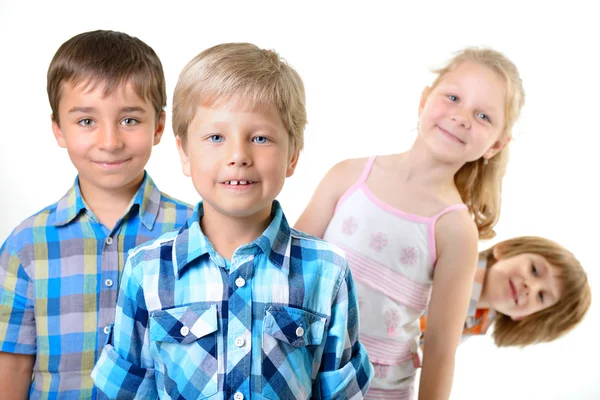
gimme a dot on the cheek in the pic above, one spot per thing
(78, 147)
(142, 142)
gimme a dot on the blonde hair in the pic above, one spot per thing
(245, 73)
(480, 184)
(553, 322)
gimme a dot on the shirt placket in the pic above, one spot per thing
(239, 333)
(108, 286)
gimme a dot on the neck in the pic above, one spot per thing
(227, 233)
(418, 165)
(108, 205)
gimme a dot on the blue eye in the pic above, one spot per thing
(260, 139)
(129, 121)
(86, 122)
(453, 97)
(534, 270)
(215, 139)
(541, 296)
(483, 117)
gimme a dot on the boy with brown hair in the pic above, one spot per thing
(59, 269)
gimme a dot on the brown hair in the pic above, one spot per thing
(109, 58)
(480, 183)
(553, 322)
(245, 73)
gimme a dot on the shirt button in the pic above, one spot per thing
(238, 396)
(299, 331)
(239, 341)
(184, 330)
(239, 282)
(106, 330)
(109, 240)
(108, 282)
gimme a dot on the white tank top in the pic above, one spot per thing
(392, 255)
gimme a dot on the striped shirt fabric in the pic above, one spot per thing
(278, 321)
(59, 278)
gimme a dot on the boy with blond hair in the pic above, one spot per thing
(236, 304)
(59, 269)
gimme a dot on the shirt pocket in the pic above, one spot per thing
(185, 340)
(291, 337)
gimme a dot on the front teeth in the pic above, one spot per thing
(237, 182)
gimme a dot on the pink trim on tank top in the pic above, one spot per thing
(430, 221)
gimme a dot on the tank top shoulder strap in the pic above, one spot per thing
(366, 170)
(447, 210)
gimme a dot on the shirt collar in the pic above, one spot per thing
(147, 198)
(275, 241)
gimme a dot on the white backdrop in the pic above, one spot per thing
(364, 67)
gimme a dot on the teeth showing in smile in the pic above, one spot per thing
(234, 183)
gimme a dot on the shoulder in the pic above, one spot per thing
(311, 249)
(23, 234)
(169, 202)
(456, 232)
(148, 257)
(173, 202)
(342, 176)
(350, 168)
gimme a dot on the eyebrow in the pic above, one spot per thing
(93, 109)
(550, 271)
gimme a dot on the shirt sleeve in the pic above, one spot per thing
(125, 369)
(17, 314)
(345, 371)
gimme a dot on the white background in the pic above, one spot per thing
(364, 65)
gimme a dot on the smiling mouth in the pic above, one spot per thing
(513, 290)
(450, 135)
(238, 183)
(112, 163)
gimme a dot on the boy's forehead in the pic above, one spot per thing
(237, 103)
(127, 91)
(126, 88)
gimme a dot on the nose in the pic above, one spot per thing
(109, 138)
(239, 154)
(461, 117)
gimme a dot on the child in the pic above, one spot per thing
(236, 303)
(399, 216)
(533, 288)
(59, 269)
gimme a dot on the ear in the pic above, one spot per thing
(58, 133)
(160, 128)
(292, 163)
(496, 147)
(497, 252)
(183, 157)
(424, 96)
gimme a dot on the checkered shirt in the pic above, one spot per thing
(278, 321)
(59, 275)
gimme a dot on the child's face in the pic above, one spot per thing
(238, 159)
(522, 285)
(462, 118)
(109, 138)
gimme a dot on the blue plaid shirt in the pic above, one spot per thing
(278, 321)
(59, 275)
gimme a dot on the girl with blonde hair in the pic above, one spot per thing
(400, 217)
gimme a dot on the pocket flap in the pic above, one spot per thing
(183, 324)
(294, 326)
